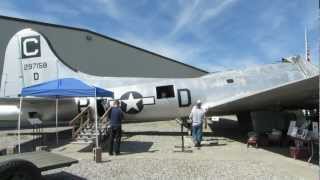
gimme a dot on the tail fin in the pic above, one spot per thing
(28, 60)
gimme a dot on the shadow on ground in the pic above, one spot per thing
(62, 175)
(214, 143)
(229, 129)
(52, 144)
(133, 147)
(161, 133)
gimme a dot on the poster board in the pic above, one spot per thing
(315, 130)
(292, 130)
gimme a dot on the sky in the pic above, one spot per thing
(213, 35)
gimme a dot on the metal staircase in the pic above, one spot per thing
(83, 131)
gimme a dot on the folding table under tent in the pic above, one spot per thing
(63, 88)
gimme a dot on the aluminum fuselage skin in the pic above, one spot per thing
(212, 89)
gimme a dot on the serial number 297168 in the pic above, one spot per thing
(33, 66)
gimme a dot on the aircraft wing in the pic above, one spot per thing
(299, 94)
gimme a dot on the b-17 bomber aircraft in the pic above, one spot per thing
(29, 59)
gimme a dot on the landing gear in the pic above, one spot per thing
(244, 122)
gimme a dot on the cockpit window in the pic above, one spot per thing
(165, 92)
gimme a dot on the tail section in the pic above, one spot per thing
(28, 60)
(305, 66)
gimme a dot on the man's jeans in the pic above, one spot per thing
(197, 133)
(115, 135)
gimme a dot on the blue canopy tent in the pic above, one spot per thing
(67, 87)
(63, 88)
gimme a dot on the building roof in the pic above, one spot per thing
(105, 37)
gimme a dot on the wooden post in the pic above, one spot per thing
(97, 154)
(182, 138)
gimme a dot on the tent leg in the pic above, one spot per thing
(97, 150)
(19, 124)
(96, 120)
(57, 134)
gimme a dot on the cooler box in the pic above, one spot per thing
(298, 152)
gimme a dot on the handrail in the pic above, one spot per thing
(75, 134)
(82, 124)
(79, 115)
(104, 115)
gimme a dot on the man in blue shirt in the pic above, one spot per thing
(115, 116)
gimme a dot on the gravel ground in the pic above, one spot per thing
(12, 141)
(148, 152)
(145, 168)
(9, 139)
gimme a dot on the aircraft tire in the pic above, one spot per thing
(19, 169)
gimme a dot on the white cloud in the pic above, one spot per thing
(171, 49)
(110, 8)
(186, 16)
(215, 11)
(190, 54)
(196, 12)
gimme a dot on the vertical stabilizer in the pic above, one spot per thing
(28, 60)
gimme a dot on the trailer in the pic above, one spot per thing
(29, 165)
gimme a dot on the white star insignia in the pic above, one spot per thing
(131, 103)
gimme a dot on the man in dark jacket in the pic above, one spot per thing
(115, 116)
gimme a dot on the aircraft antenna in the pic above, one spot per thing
(307, 51)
